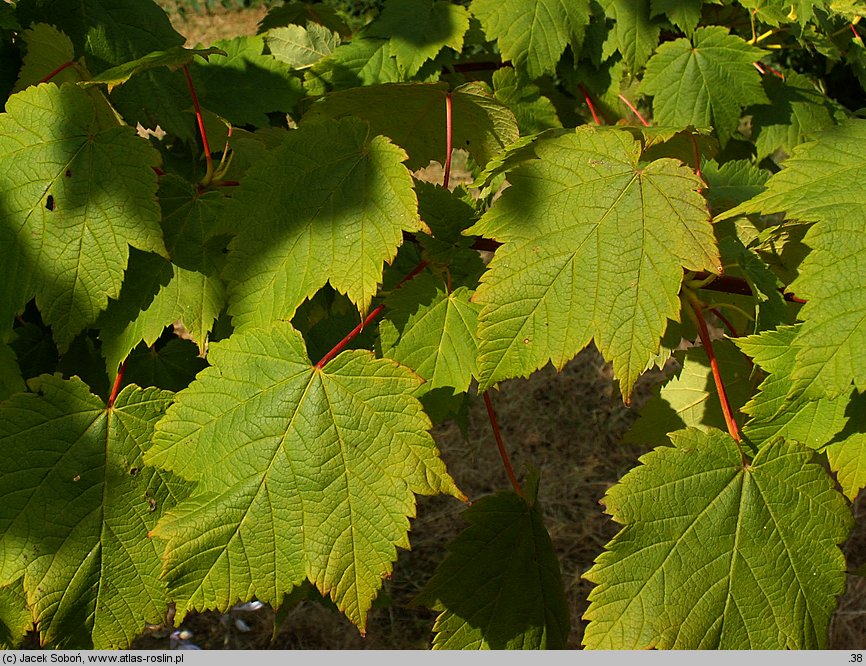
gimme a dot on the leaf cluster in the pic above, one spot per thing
(233, 303)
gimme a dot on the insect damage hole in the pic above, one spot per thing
(49, 203)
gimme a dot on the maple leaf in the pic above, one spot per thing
(15, 616)
(432, 331)
(47, 49)
(301, 473)
(704, 81)
(594, 248)
(260, 83)
(500, 586)
(77, 508)
(797, 110)
(685, 14)
(301, 47)
(78, 193)
(111, 33)
(328, 205)
(10, 374)
(689, 399)
(722, 557)
(821, 184)
(533, 34)
(821, 424)
(365, 61)
(419, 29)
(634, 33)
(416, 116)
(156, 292)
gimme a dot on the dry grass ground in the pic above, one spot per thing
(566, 425)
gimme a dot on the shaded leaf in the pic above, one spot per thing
(500, 586)
(47, 49)
(328, 205)
(418, 29)
(77, 194)
(172, 58)
(797, 109)
(635, 35)
(15, 616)
(532, 34)
(259, 84)
(77, 509)
(483, 125)
(690, 400)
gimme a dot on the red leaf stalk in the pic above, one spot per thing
(116, 388)
(367, 320)
(501, 445)
(634, 110)
(207, 154)
(693, 306)
(51, 75)
(449, 127)
(588, 99)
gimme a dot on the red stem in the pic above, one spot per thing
(726, 322)
(449, 127)
(501, 445)
(697, 156)
(589, 103)
(48, 77)
(367, 320)
(116, 388)
(634, 110)
(717, 378)
(200, 120)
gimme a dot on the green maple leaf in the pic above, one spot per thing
(776, 12)
(360, 63)
(156, 292)
(77, 506)
(329, 204)
(300, 46)
(704, 81)
(15, 616)
(595, 243)
(532, 34)
(635, 35)
(172, 58)
(690, 399)
(260, 83)
(10, 374)
(534, 112)
(416, 118)
(419, 29)
(821, 184)
(685, 14)
(797, 110)
(715, 556)
(47, 49)
(500, 586)
(302, 473)
(172, 366)
(821, 424)
(432, 331)
(113, 32)
(78, 193)
(303, 13)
